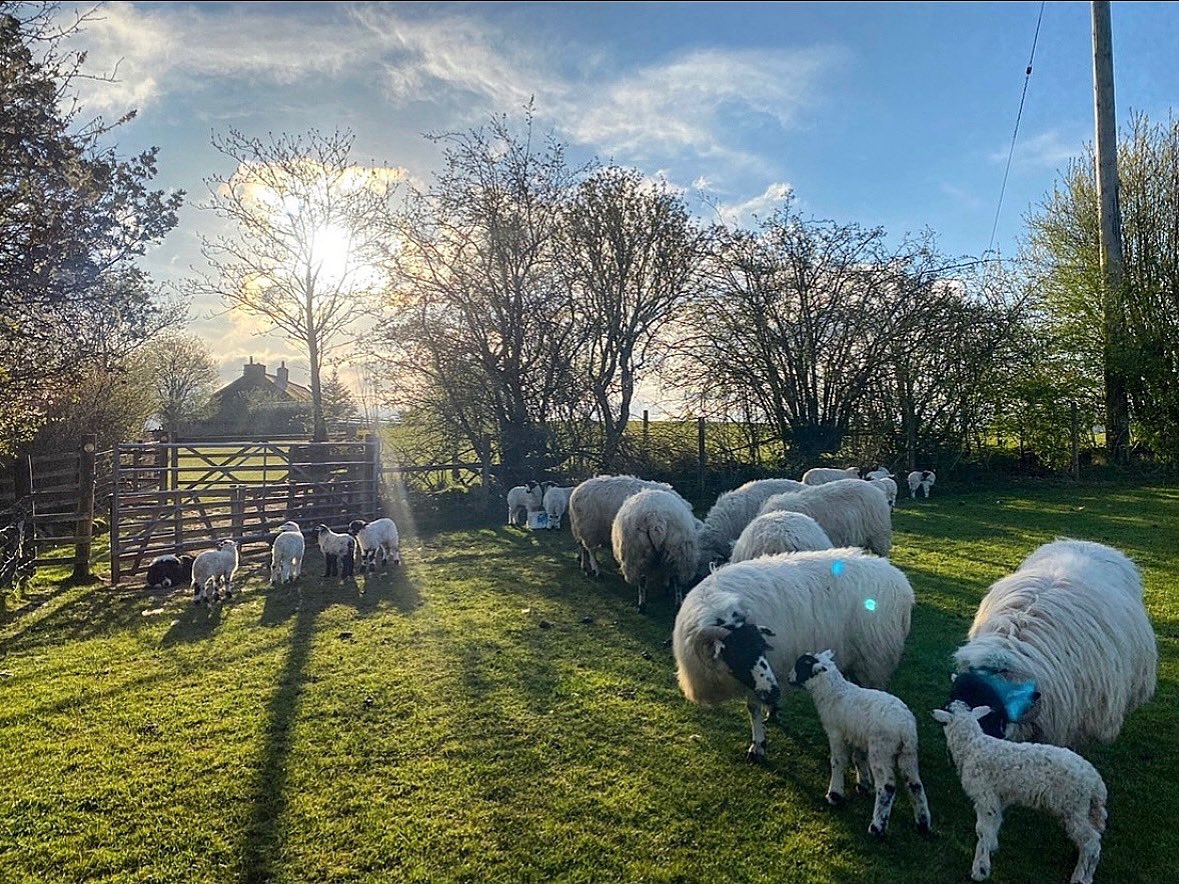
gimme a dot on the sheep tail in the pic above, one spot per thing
(1097, 814)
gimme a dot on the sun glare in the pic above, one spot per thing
(331, 254)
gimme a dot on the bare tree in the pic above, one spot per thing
(180, 371)
(632, 254)
(310, 230)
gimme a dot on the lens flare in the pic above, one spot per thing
(869, 604)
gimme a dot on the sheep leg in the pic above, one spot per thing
(329, 564)
(988, 819)
(677, 592)
(886, 793)
(757, 720)
(642, 595)
(839, 754)
(907, 761)
(589, 563)
(863, 773)
(1088, 841)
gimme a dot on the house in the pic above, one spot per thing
(258, 404)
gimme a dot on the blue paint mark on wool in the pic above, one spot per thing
(837, 567)
(1017, 697)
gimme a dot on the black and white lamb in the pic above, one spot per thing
(921, 480)
(654, 540)
(852, 512)
(216, 567)
(997, 774)
(377, 536)
(1061, 650)
(729, 516)
(779, 532)
(864, 722)
(592, 508)
(339, 552)
(522, 500)
(889, 486)
(286, 554)
(858, 605)
(164, 572)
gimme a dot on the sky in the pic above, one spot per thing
(892, 114)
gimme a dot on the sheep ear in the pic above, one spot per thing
(953, 677)
(942, 715)
(827, 656)
(718, 648)
(765, 630)
(980, 712)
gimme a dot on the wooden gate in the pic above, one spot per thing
(174, 498)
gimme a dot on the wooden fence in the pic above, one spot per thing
(173, 498)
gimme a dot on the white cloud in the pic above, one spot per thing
(758, 207)
(1048, 150)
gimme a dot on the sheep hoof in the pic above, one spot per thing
(835, 799)
(923, 825)
(863, 789)
(876, 831)
(755, 754)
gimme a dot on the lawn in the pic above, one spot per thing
(488, 714)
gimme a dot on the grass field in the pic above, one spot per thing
(488, 714)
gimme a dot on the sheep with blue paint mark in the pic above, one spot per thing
(867, 722)
(747, 621)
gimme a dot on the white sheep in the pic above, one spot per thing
(729, 516)
(921, 479)
(286, 554)
(339, 552)
(556, 503)
(216, 566)
(858, 605)
(779, 532)
(862, 721)
(822, 475)
(377, 536)
(996, 774)
(878, 473)
(522, 500)
(853, 513)
(1061, 650)
(888, 486)
(592, 507)
(654, 540)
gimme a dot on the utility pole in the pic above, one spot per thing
(1113, 272)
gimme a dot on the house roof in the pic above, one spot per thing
(254, 377)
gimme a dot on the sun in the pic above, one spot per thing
(331, 254)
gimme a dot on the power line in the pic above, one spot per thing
(1011, 152)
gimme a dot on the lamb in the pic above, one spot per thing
(853, 513)
(822, 475)
(1061, 650)
(556, 503)
(858, 605)
(889, 487)
(921, 479)
(592, 507)
(339, 552)
(216, 566)
(378, 536)
(779, 532)
(522, 500)
(164, 572)
(654, 539)
(286, 554)
(864, 721)
(730, 514)
(996, 774)
(880, 472)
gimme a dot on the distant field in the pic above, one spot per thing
(488, 714)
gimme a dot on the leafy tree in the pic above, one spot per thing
(74, 216)
(338, 403)
(309, 232)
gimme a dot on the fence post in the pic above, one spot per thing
(116, 462)
(237, 512)
(85, 526)
(701, 451)
(646, 436)
(485, 470)
(374, 442)
(22, 482)
(1076, 440)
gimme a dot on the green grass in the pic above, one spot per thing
(145, 740)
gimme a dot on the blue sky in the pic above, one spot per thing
(891, 114)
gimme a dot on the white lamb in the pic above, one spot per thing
(216, 566)
(867, 722)
(822, 475)
(286, 555)
(339, 552)
(858, 605)
(1062, 650)
(377, 536)
(997, 774)
(556, 503)
(729, 516)
(592, 507)
(853, 513)
(879, 473)
(921, 479)
(522, 500)
(889, 487)
(654, 540)
(779, 532)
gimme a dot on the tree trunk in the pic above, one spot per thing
(319, 425)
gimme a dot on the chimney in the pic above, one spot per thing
(281, 376)
(254, 370)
